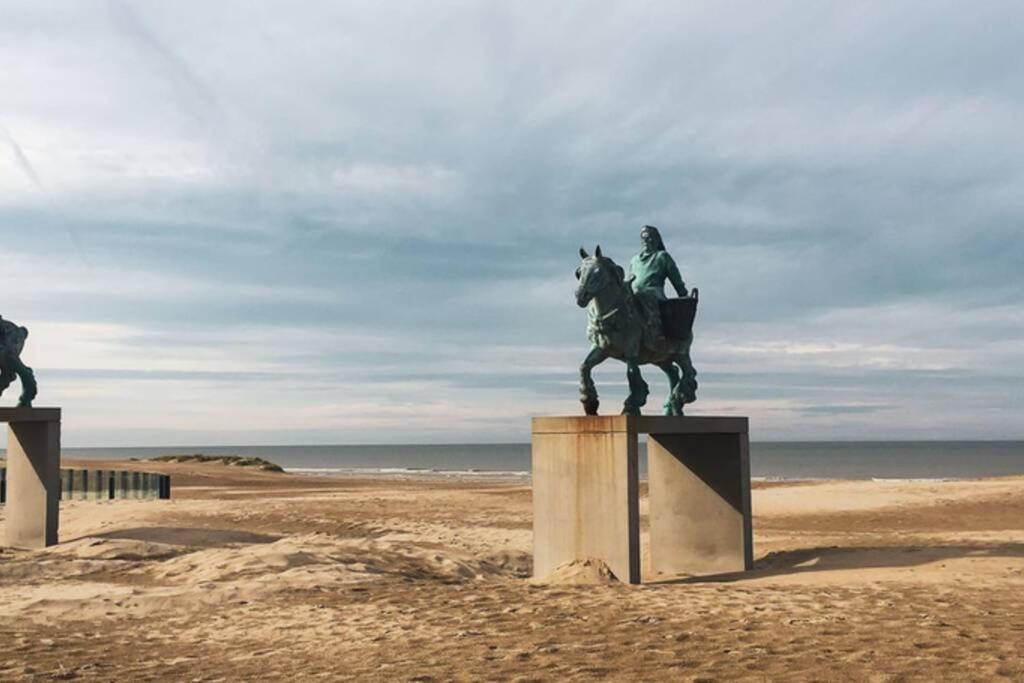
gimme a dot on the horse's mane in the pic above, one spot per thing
(620, 274)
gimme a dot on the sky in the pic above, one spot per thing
(244, 223)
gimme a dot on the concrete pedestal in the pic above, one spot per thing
(33, 476)
(585, 500)
(586, 494)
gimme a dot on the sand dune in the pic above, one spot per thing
(265, 576)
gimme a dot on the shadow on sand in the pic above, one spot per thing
(836, 558)
(196, 538)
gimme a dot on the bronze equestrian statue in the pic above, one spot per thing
(632, 320)
(12, 341)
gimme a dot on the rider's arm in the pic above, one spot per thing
(673, 275)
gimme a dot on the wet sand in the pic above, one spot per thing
(262, 576)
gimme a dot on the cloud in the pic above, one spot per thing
(830, 410)
(19, 157)
(193, 94)
(376, 210)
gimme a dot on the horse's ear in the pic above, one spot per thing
(597, 252)
(583, 253)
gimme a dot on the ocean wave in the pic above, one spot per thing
(917, 480)
(408, 471)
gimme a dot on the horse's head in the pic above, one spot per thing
(595, 274)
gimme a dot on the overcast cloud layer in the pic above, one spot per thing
(252, 223)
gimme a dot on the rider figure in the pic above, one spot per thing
(650, 268)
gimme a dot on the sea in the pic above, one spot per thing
(804, 460)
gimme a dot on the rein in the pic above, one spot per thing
(604, 323)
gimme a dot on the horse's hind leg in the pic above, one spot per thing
(28, 382)
(686, 389)
(672, 405)
(638, 389)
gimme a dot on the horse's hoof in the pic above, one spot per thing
(590, 407)
(673, 408)
(630, 411)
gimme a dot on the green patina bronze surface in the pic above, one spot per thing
(653, 265)
(625, 322)
(12, 341)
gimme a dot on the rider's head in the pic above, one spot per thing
(651, 239)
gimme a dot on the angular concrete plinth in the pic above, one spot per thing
(586, 499)
(33, 476)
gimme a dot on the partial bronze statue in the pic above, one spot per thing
(12, 341)
(632, 320)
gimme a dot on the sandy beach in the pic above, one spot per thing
(256, 575)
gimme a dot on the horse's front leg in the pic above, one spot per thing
(588, 392)
(638, 389)
(7, 376)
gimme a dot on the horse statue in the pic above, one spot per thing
(620, 326)
(12, 341)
